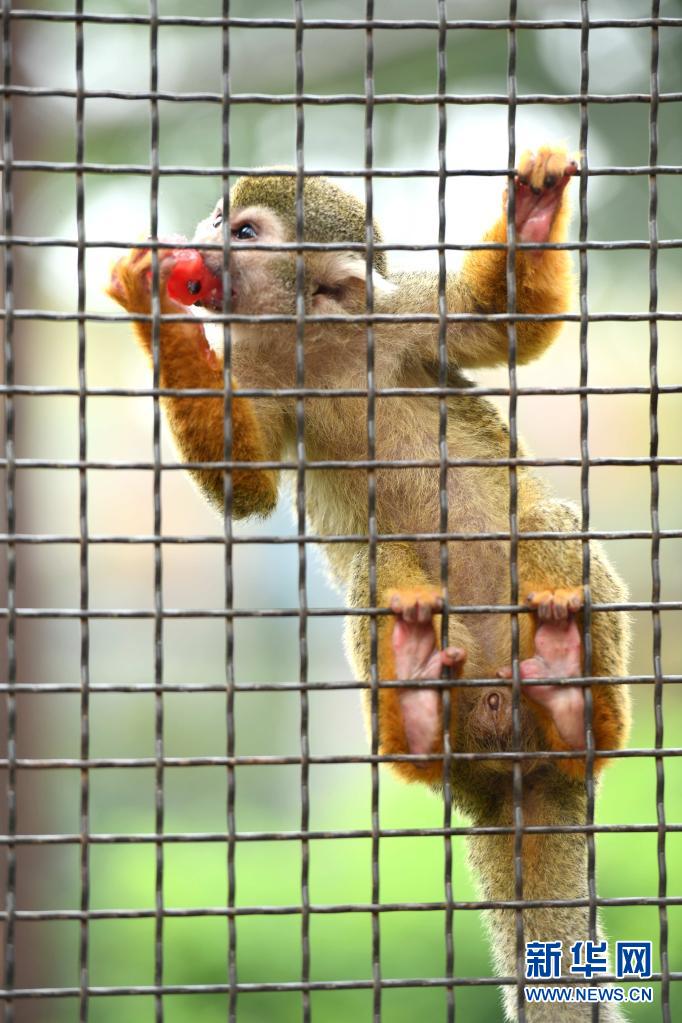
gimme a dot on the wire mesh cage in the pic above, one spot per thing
(194, 823)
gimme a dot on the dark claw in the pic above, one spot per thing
(523, 179)
(550, 180)
(534, 190)
(560, 612)
(545, 612)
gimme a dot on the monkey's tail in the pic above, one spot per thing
(554, 868)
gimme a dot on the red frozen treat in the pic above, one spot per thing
(190, 280)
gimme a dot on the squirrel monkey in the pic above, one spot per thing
(262, 209)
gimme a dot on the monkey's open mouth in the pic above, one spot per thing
(210, 295)
(212, 300)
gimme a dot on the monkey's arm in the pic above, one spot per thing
(187, 361)
(543, 278)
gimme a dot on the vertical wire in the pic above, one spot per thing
(517, 777)
(83, 525)
(585, 484)
(10, 482)
(655, 519)
(301, 516)
(158, 576)
(371, 506)
(228, 496)
(443, 504)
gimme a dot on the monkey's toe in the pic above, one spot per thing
(416, 605)
(556, 605)
(453, 657)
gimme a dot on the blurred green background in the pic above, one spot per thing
(122, 800)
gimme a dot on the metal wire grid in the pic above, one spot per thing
(85, 763)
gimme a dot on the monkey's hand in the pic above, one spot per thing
(417, 657)
(130, 280)
(130, 285)
(544, 281)
(539, 185)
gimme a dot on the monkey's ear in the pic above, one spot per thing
(341, 279)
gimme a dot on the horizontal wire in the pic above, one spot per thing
(52, 241)
(282, 760)
(39, 916)
(58, 316)
(10, 994)
(340, 99)
(362, 24)
(132, 688)
(209, 837)
(315, 612)
(345, 464)
(48, 390)
(50, 688)
(66, 167)
(352, 538)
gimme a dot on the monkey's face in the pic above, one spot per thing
(264, 280)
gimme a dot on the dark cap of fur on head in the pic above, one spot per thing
(329, 213)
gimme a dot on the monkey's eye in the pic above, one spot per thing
(218, 218)
(245, 232)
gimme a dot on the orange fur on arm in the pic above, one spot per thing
(392, 735)
(543, 285)
(186, 361)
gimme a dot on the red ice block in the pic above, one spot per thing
(191, 281)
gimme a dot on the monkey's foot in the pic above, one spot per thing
(418, 657)
(558, 651)
(540, 183)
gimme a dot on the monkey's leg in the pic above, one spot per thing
(416, 656)
(558, 654)
(561, 707)
(407, 647)
(187, 361)
(543, 277)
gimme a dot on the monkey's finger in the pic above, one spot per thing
(525, 166)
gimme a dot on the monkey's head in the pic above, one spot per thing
(263, 212)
